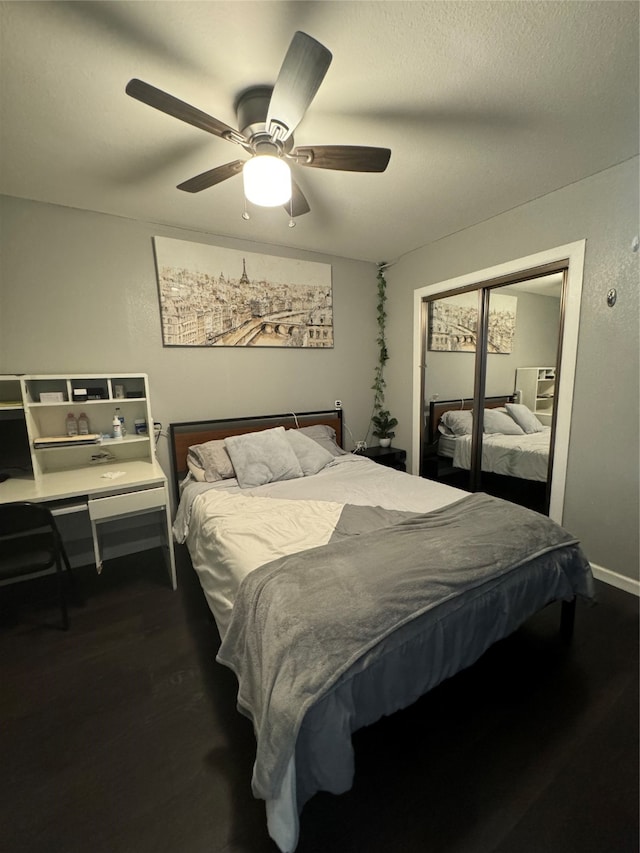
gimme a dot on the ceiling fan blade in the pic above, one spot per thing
(166, 103)
(301, 74)
(212, 177)
(347, 158)
(298, 205)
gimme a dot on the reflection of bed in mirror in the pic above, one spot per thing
(515, 448)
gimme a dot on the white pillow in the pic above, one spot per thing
(311, 455)
(525, 418)
(262, 457)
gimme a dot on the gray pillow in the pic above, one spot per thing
(212, 459)
(311, 455)
(499, 422)
(325, 436)
(457, 422)
(196, 471)
(461, 423)
(262, 457)
(524, 417)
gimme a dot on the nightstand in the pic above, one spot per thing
(392, 457)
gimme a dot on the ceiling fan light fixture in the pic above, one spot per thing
(267, 180)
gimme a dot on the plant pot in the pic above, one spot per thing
(384, 442)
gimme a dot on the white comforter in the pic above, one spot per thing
(285, 517)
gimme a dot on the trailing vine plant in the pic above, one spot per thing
(379, 383)
(381, 419)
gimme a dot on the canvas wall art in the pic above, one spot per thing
(453, 323)
(215, 297)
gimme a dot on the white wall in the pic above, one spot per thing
(601, 500)
(78, 294)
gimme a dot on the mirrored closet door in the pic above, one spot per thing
(491, 360)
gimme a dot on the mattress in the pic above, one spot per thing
(446, 445)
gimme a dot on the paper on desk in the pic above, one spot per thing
(111, 475)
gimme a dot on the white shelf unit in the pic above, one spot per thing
(106, 505)
(45, 419)
(537, 386)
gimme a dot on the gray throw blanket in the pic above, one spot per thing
(301, 621)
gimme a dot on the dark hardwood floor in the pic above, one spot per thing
(122, 736)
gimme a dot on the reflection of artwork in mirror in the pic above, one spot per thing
(453, 323)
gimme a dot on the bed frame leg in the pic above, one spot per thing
(567, 619)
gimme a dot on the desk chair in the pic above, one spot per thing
(30, 546)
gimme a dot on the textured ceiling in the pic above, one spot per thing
(485, 106)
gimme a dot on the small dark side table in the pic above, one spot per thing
(392, 457)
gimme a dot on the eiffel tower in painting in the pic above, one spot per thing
(244, 278)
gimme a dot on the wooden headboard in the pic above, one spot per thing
(437, 408)
(183, 435)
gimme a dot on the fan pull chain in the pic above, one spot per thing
(246, 216)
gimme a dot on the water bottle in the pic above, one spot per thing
(83, 424)
(117, 426)
(71, 424)
(121, 417)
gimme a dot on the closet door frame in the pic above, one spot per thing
(569, 256)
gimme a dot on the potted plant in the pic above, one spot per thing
(383, 427)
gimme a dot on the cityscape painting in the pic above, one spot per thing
(215, 297)
(453, 323)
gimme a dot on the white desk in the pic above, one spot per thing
(105, 492)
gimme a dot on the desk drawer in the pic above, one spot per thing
(126, 504)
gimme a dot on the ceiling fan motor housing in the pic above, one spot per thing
(252, 106)
(251, 109)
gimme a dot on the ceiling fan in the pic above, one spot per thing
(267, 117)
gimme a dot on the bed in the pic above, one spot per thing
(511, 446)
(345, 590)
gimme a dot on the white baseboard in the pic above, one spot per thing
(615, 579)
